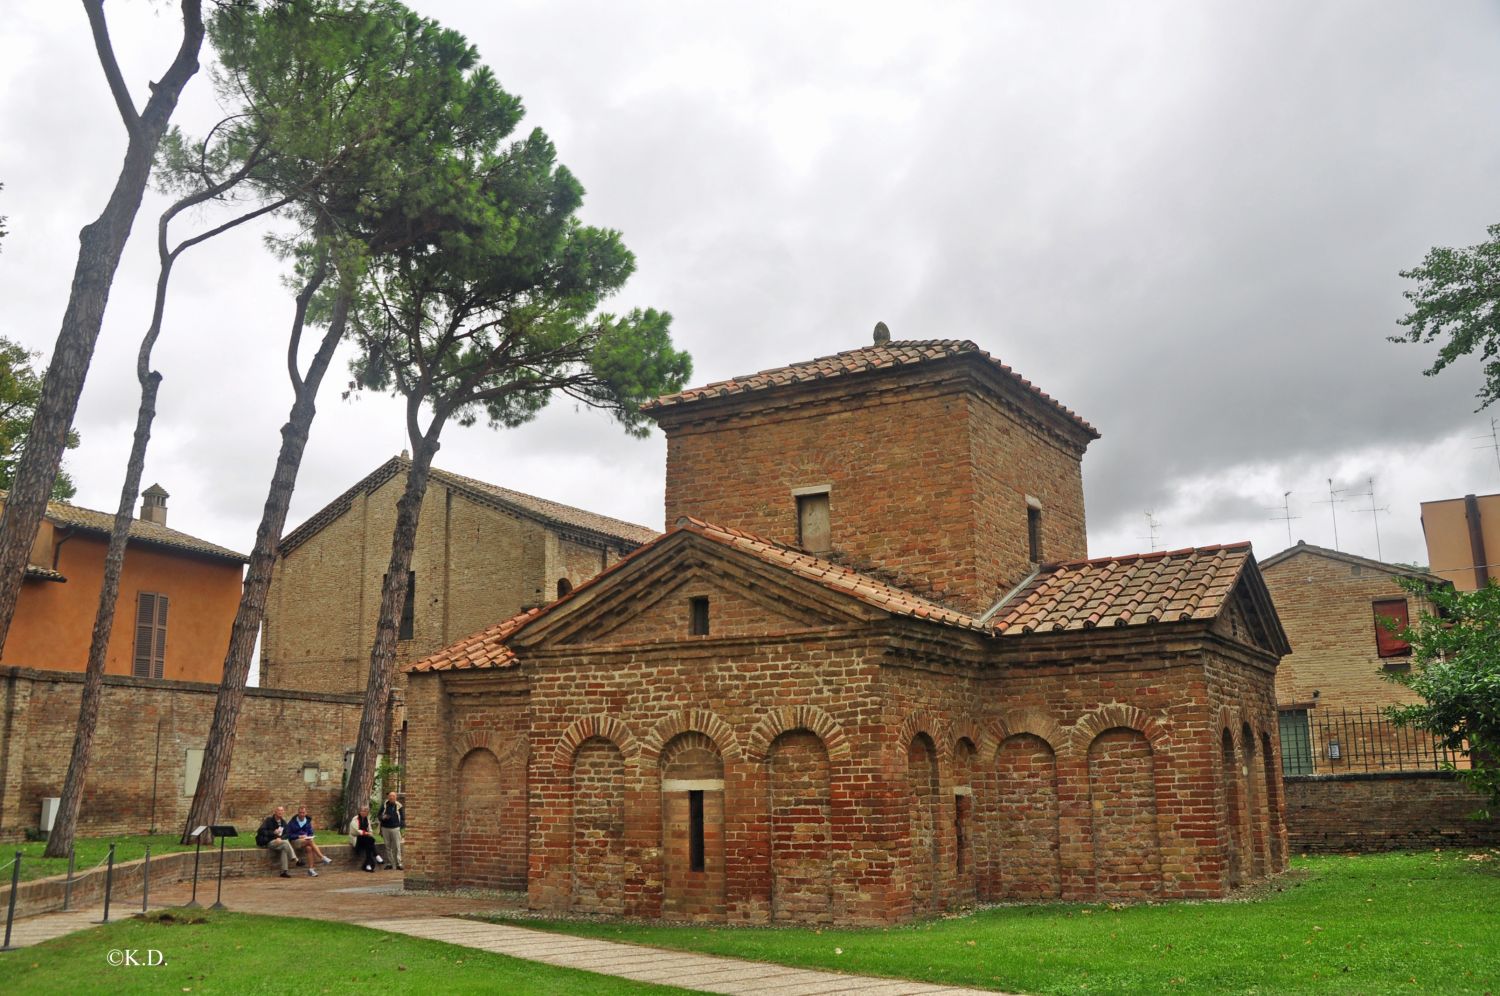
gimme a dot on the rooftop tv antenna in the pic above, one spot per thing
(1286, 514)
(1331, 501)
(1151, 526)
(1494, 438)
(1374, 515)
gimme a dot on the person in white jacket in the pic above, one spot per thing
(362, 838)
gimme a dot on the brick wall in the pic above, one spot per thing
(137, 778)
(1326, 608)
(1384, 811)
(867, 774)
(928, 471)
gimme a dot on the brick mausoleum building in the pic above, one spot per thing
(866, 675)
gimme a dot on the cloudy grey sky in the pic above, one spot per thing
(1183, 220)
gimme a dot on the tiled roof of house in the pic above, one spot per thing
(44, 574)
(549, 512)
(1172, 586)
(92, 521)
(1401, 570)
(877, 357)
(487, 649)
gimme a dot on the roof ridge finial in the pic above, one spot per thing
(882, 333)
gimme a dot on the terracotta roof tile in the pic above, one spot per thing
(550, 512)
(1134, 590)
(877, 357)
(92, 521)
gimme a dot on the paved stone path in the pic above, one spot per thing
(416, 914)
(705, 973)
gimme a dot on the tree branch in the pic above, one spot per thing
(106, 53)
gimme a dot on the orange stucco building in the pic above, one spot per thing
(1463, 536)
(178, 596)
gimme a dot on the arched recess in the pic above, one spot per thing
(1272, 781)
(692, 800)
(607, 727)
(801, 828)
(922, 789)
(1116, 715)
(802, 717)
(1234, 812)
(598, 838)
(691, 721)
(1027, 819)
(489, 832)
(965, 867)
(1122, 800)
(1252, 776)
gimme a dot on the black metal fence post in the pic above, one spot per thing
(15, 887)
(109, 881)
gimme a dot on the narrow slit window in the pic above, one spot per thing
(698, 612)
(564, 587)
(960, 830)
(409, 608)
(814, 525)
(695, 830)
(1034, 533)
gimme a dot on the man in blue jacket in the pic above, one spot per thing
(299, 830)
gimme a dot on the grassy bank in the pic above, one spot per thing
(92, 851)
(236, 953)
(1412, 922)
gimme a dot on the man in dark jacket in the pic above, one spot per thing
(392, 822)
(272, 835)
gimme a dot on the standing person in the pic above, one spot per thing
(392, 822)
(272, 835)
(299, 830)
(363, 838)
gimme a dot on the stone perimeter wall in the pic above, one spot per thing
(138, 777)
(1384, 811)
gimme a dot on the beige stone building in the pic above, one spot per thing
(482, 552)
(1332, 687)
(1460, 533)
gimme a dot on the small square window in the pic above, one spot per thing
(698, 616)
(814, 523)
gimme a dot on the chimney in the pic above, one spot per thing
(154, 505)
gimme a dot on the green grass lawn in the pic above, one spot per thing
(90, 852)
(238, 953)
(1421, 922)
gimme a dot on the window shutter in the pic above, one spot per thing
(159, 650)
(1387, 643)
(145, 633)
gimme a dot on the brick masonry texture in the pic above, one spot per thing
(1326, 604)
(860, 758)
(1385, 811)
(138, 777)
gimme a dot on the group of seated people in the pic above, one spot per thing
(293, 840)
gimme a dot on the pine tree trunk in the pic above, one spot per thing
(100, 247)
(393, 594)
(60, 841)
(218, 751)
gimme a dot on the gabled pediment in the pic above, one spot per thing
(1248, 615)
(648, 599)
